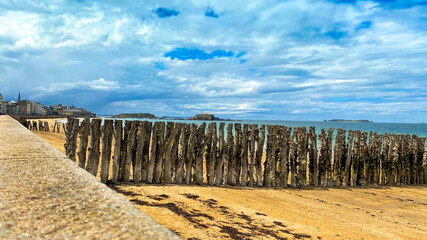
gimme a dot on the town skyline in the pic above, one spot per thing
(32, 108)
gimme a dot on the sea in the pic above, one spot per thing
(380, 128)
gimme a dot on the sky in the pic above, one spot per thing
(249, 59)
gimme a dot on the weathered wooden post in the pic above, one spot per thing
(362, 160)
(329, 171)
(200, 149)
(159, 172)
(93, 157)
(384, 158)
(107, 138)
(124, 150)
(146, 150)
(422, 164)
(84, 135)
(153, 152)
(269, 156)
(41, 126)
(46, 127)
(313, 166)
(207, 153)
(275, 161)
(71, 138)
(339, 157)
(284, 155)
(418, 162)
(221, 156)
(323, 155)
(131, 144)
(171, 144)
(207, 150)
(237, 160)
(302, 157)
(228, 154)
(118, 135)
(356, 159)
(244, 155)
(191, 154)
(258, 157)
(139, 145)
(213, 155)
(395, 145)
(252, 144)
(182, 154)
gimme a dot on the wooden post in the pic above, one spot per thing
(329, 171)
(107, 138)
(84, 135)
(339, 157)
(191, 154)
(207, 149)
(153, 152)
(323, 155)
(200, 149)
(213, 155)
(418, 162)
(171, 144)
(124, 150)
(237, 161)
(422, 163)
(93, 157)
(159, 172)
(302, 157)
(146, 150)
(312, 157)
(71, 138)
(182, 154)
(41, 127)
(258, 157)
(140, 142)
(355, 159)
(118, 135)
(395, 159)
(284, 156)
(229, 146)
(269, 156)
(252, 144)
(275, 160)
(221, 156)
(244, 156)
(131, 144)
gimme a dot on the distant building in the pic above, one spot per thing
(205, 116)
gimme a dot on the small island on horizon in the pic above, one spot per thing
(202, 116)
(136, 115)
(349, 121)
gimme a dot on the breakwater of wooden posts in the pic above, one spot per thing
(242, 154)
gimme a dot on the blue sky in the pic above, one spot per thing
(295, 60)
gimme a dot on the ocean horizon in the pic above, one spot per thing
(418, 129)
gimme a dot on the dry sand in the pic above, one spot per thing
(202, 212)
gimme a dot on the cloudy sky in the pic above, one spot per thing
(295, 60)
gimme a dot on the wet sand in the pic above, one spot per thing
(202, 212)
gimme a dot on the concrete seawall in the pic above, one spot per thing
(43, 194)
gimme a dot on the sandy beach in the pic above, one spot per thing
(202, 212)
